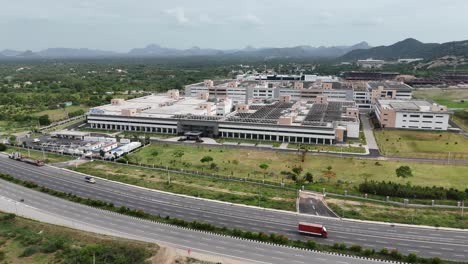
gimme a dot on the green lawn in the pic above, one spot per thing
(245, 163)
(34, 154)
(60, 114)
(424, 144)
(325, 148)
(198, 186)
(396, 214)
(452, 98)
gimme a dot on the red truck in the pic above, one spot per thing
(312, 229)
(19, 157)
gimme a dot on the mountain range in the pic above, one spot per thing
(408, 48)
(155, 50)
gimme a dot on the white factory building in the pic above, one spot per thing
(412, 114)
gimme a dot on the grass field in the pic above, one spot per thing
(228, 191)
(452, 98)
(60, 114)
(27, 241)
(326, 148)
(34, 154)
(245, 163)
(396, 214)
(422, 144)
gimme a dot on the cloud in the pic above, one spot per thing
(179, 15)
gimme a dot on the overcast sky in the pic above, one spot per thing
(124, 24)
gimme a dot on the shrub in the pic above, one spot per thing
(436, 260)
(395, 254)
(311, 244)
(3, 147)
(412, 258)
(368, 252)
(8, 217)
(29, 251)
(383, 251)
(356, 248)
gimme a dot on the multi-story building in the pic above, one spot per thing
(312, 122)
(389, 90)
(411, 114)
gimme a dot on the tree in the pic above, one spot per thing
(3, 147)
(329, 174)
(309, 177)
(214, 166)
(178, 154)
(264, 167)
(297, 170)
(206, 159)
(404, 172)
(44, 120)
(102, 153)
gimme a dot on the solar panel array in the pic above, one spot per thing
(320, 114)
(198, 117)
(265, 114)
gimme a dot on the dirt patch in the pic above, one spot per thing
(168, 255)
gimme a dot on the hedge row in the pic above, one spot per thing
(412, 191)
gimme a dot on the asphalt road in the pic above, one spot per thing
(86, 218)
(313, 204)
(429, 242)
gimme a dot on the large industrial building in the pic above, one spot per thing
(318, 121)
(363, 93)
(411, 114)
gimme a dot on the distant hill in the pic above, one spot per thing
(410, 48)
(302, 51)
(74, 53)
(155, 50)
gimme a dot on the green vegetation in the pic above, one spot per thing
(26, 241)
(452, 98)
(422, 144)
(397, 214)
(62, 113)
(326, 148)
(197, 186)
(281, 239)
(243, 163)
(461, 119)
(39, 155)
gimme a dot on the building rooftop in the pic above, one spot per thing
(411, 105)
(160, 106)
(389, 85)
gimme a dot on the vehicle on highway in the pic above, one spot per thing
(36, 140)
(90, 179)
(312, 229)
(19, 157)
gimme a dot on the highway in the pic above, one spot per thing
(428, 242)
(46, 208)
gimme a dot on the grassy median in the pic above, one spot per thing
(398, 214)
(197, 186)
